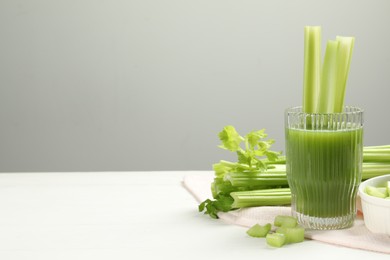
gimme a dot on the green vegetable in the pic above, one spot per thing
(230, 139)
(269, 178)
(292, 234)
(221, 203)
(324, 90)
(265, 197)
(344, 54)
(276, 239)
(258, 178)
(253, 156)
(376, 154)
(376, 192)
(288, 231)
(379, 192)
(258, 230)
(329, 78)
(249, 158)
(388, 188)
(312, 68)
(285, 221)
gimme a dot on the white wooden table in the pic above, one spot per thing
(127, 215)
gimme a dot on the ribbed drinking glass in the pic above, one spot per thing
(324, 166)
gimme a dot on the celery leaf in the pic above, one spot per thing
(231, 140)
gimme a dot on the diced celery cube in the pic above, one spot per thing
(293, 234)
(285, 221)
(258, 230)
(275, 239)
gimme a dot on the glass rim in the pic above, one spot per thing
(298, 111)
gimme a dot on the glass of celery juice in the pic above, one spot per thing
(324, 154)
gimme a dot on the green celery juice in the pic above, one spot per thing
(324, 171)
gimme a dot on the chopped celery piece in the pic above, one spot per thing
(293, 234)
(312, 68)
(287, 232)
(285, 221)
(379, 192)
(258, 230)
(275, 239)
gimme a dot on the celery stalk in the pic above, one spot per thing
(324, 91)
(272, 177)
(378, 147)
(379, 153)
(257, 180)
(266, 197)
(344, 55)
(312, 68)
(376, 156)
(373, 169)
(388, 188)
(282, 196)
(328, 78)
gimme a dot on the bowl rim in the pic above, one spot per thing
(371, 199)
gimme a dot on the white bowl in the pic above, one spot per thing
(376, 211)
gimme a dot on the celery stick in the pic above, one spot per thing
(344, 55)
(266, 197)
(269, 178)
(378, 147)
(376, 156)
(292, 234)
(276, 239)
(372, 169)
(258, 230)
(328, 78)
(376, 153)
(285, 221)
(377, 150)
(279, 177)
(312, 68)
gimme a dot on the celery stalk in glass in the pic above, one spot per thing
(312, 68)
(344, 55)
(328, 78)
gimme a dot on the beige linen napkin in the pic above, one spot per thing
(358, 236)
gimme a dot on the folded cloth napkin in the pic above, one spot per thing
(358, 236)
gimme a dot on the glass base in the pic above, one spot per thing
(318, 223)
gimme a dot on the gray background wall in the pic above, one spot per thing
(147, 85)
